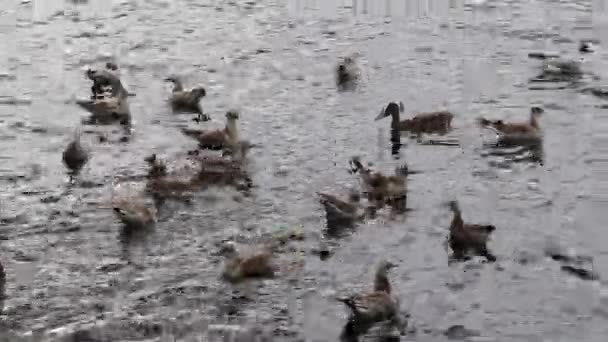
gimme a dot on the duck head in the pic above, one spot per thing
(177, 83)
(232, 115)
(199, 92)
(384, 266)
(536, 111)
(393, 109)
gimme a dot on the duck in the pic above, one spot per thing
(217, 139)
(108, 109)
(468, 237)
(221, 171)
(106, 82)
(586, 46)
(561, 69)
(430, 122)
(75, 156)
(256, 265)
(373, 307)
(347, 72)
(340, 213)
(134, 213)
(383, 189)
(187, 100)
(530, 128)
(161, 185)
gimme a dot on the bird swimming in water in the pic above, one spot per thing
(187, 100)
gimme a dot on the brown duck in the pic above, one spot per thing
(431, 122)
(186, 100)
(220, 171)
(238, 267)
(217, 139)
(467, 237)
(340, 213)
(161, 185)
(373, 307)
(106, 83)
(516, 128)
(75, 156)
(134, 214)
(383, 189)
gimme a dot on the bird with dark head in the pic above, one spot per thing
(465, 238)
(187, 100)
(75, 156)
(430, 122)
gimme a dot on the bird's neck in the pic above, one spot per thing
(381, 283)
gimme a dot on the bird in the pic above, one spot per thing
(134, 213)
(256, 265)
(75, 156)
(347, 72)
(367, 309)
(430, 122)
(340, 213)
(187, 100)
(468, 237)
(531, 127)
(383, 189)
(217, 139)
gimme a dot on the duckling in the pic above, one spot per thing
(347, 72)
(518, 128)
(75, 156)
(465, 237)
(187, 100)
(342, 213)
(217, 139)
(383, 189)
(238, 268)
(376, 306)
(134, 214)
(431, 122)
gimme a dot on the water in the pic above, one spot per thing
(67, 265)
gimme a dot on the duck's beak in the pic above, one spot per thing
(382, 115)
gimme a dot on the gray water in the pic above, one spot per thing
(68, 268)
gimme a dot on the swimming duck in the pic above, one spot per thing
(220, 171)
(134, 214)
(431, 122)
(161, 185)
(217, 139)
(187, 100)
(559, 69)
(518, 128)
(108, 109)
(75, 156)
(586, 46)
(376, 306)
(383, 189)
(467, 237)
(157, 167)
(340, 213)
(106, 81)
(347, 72)
(238, 268)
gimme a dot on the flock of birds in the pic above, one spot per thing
(221, 161)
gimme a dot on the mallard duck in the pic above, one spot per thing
(134, 214)
(238, 268)
(383, 189)
(467, 237)
(217, 139)
(342, 213)
(517, 128)
(187, 100)
(431, 122)
(376, 306)
(347, 72)
(75, 156)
